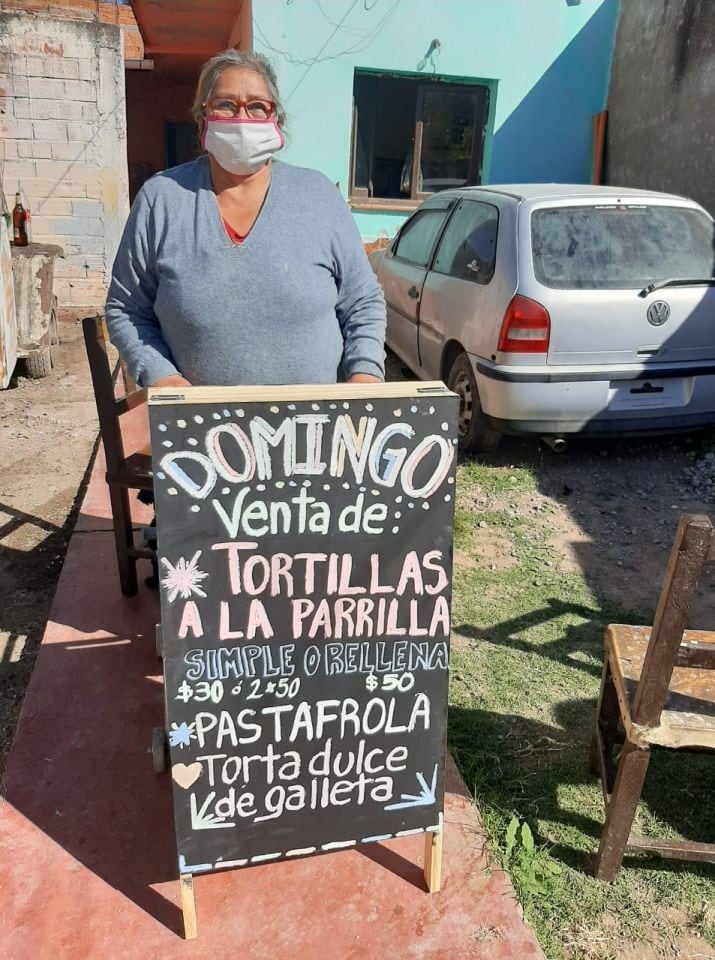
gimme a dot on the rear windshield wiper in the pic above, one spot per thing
(710, 281)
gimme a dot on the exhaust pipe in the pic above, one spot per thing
(557, 444)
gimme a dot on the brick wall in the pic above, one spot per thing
(103, 11)
(62, 119)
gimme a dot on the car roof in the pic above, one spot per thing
(564, 191)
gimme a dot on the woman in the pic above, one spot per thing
(240, 269)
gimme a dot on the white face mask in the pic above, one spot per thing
(242, 147)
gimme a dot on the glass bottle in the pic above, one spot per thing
(19, 222)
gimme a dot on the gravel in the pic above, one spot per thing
(701, 476)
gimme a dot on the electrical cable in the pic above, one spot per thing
(311, 61)
(373, 34)
(355, 31)
(357, 47)
(317, 56)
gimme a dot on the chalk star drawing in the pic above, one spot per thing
(181, 735)
(201, 819)
(183, 579)
(425, 798)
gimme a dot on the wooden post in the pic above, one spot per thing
(433, 860)
(188, 905)
(599, 121)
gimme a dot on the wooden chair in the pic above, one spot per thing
(658, 690)
(123, 473)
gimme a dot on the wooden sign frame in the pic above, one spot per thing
(354, 637)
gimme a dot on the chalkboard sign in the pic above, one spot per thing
(305, 553)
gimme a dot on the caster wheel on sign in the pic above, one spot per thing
(159, 749)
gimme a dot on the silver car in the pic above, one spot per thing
(554, 309)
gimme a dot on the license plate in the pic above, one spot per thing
(647, 394)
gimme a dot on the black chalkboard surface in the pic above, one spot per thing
(305, 553)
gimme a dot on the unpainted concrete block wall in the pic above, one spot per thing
(661, 102)
(62, 120)
(104, 11)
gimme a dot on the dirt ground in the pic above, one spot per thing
(613, 507)
(47, 435)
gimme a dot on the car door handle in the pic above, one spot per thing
(414, 293)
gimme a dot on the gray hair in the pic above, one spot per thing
(213, 68)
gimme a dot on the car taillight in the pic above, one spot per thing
(525, 328)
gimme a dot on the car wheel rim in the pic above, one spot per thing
(463, 389)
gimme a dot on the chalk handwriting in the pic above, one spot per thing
(304, 574)
(305, 561)
(331, 660)
(264, 451)
(308, 721)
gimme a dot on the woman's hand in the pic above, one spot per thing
(173, 381)
(364, 378)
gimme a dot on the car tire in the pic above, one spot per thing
(475, 434)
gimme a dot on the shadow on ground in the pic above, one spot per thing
(543, 770)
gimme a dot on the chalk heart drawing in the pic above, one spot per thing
(186, 774)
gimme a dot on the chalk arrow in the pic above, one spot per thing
(425, 798)
(201, 820)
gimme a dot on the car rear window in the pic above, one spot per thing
(617, 246)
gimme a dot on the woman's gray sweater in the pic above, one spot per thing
(296, 302)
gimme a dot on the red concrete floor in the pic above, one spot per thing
(86, 833)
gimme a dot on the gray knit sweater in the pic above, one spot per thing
(296, 302)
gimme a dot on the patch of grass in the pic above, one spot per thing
(524, 683)
(464, 523)
(495, 481)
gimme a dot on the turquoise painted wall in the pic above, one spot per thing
(550, 58)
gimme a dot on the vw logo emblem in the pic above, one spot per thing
(658, 313)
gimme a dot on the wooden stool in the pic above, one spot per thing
(123, 473)
(658, 687)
